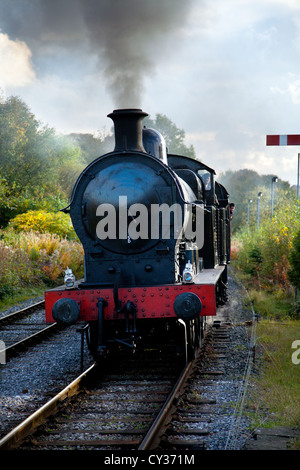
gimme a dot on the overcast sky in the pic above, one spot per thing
(225, 71)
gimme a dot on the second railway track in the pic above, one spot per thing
(23, 327)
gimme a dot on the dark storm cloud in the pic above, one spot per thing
(124, 35)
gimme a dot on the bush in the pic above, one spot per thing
(294, 272)
(44, 222)
(33, 259)
(265, 253)
(15, 270)
(255, 260)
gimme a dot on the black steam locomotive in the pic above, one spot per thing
(155, 230)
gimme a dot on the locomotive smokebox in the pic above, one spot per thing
(128, 129)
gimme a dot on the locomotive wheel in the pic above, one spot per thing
(98, 351)
(193, 337)
(93, 338)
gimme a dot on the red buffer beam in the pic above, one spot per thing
(292, 139)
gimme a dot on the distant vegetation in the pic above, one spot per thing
(267, 260)
(266, 254)
(244, 185)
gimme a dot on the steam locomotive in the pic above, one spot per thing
(155, 228)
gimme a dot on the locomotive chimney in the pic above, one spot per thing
(128, 129)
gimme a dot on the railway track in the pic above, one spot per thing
(199, 407)
(158, 409)
(108, 410)
(24, 327)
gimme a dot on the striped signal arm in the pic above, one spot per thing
(292, 139)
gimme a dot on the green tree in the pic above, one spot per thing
(92, 146)
(294, 272)
(36, 165)
(173, 136)
(66, 164)
(267, 253)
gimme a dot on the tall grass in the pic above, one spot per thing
(275, 399)
(35, 259)
(264, 253)
(262, 258)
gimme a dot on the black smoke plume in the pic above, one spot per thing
(125, 36)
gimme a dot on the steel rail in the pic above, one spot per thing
(13, 348)
(19, 433)
(14, 315)
(152, 436)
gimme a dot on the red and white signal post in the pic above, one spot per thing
(292, 139)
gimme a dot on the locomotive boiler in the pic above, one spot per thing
(155, 231)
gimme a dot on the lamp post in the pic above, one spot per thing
(298, 171)
(248, 217)
(274, 180)
(258, 198)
